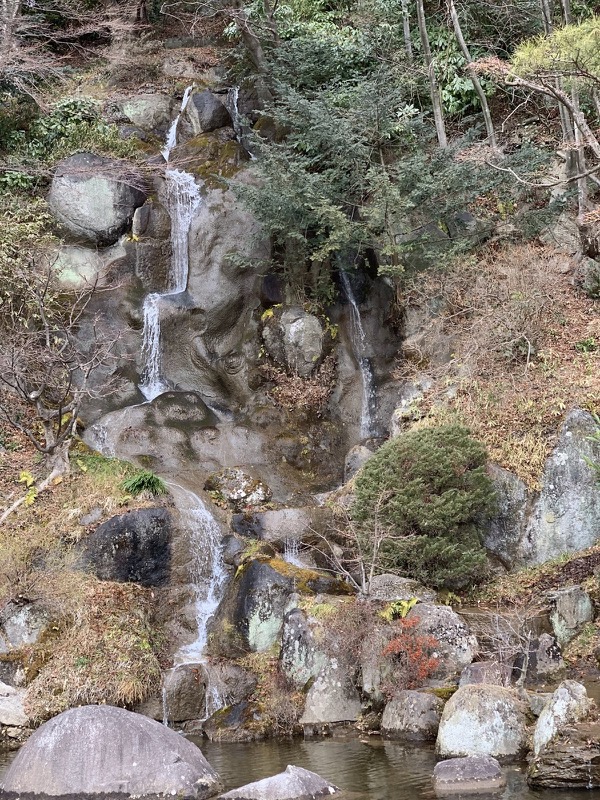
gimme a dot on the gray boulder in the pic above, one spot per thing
(393, 587)
(150, 112)
(489, 672)
(293, 784)
(545, 659)
(295, 339)
(133, 547)
(78, 267)
(238, 489)
(483, 720)
(503, 533)
(332, 698)
(568, 704)
(566, 517)
(12, 709)
(570, 761)
(102, 750)
(95, 197)
(21, 625)
(184, 693)
(283, 524)
(457, 645)
(470, 775)
(588, 277)
(300, 659)
(571, 609)
(205, 112)
(412, 715)
(356, 458)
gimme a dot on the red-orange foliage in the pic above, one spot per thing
(413, 655)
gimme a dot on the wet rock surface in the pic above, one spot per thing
(470, 775)
(293, 784)
(571, 761)
(412, 715)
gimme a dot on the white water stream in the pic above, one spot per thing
(183, 198)
(360, 348)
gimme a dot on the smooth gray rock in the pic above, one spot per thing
(331, 698)
(21, 625)
(293, 784)
(355, 459)
(571, 609)
(184, 693)
(95, 197)
(545, 659)
(78, 267)
(483, 720)
(302, 340)
(566, 516)
(470, 775)
(150, 112)
(12, 708)
(568, 704)
(457, 645)
(489, 672)
(282, 524)
(412, 715)
(105, 750)
(206, 113)
(563, 234)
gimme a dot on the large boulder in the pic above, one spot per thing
(503, 532)
(470, 775)
(293, 784)
(483, 720)
(21, 625)
(489, 672)
(205, 112)
(570, 761)
(282, 524)
(457, 645)
(332, 698)
(568, 704)
(295, 339)
(571, 609)
(566, 516)
(301, 659)
(95, 197)
(102, 750)
(412, 715)
(12, 708)
(150, 112)
(78, 268)
(133, 547)
(393, 587)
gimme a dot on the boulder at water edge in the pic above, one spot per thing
(482, 720)
(473, 774)
(96, 750)
(412, 715)
(293, 784)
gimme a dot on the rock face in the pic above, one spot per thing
(105, 750)
(21, 625)
(474, 774)
(296, 340)
(77, 267)
(457, 644)
(300, 658)
(184, 693)
(412, 715)
(571, 608)
(150, 112)
(572, 761)
(482, 720)
(568, 704)
(238, 489)
(504, 531)
(393, 587)
(132, 547)
(488, 672)
(12, 710)
(293, 784)
(282, 524)
(206, 113)
(566, 517)
(94, 197)
(331, 698)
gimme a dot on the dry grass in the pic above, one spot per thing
(105, 653)
(526, 350)
(305, 396)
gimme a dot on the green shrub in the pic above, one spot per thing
(430, 492)
(144, 481)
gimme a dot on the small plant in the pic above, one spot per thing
(146, 482)
(589, 345)
(412, 655)
(397, 609)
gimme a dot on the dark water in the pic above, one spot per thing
(366, 770)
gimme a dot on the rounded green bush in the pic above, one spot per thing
(429, 491)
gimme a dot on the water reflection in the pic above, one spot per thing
(367, 769)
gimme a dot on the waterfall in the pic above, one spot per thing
(183, 198)
(291, 552)
(360, 348)
(207, 570)
(234, 98)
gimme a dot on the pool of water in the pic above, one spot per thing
(368, 769)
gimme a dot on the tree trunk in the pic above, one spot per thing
(489, 125)
(406, 28)
(436, 100)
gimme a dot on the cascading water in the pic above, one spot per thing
(360, 347)
(234, 110)
(183, 197)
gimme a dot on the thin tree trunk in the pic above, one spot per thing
(406, 28)
(436, 100)
(489, 125)
(546, 16)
